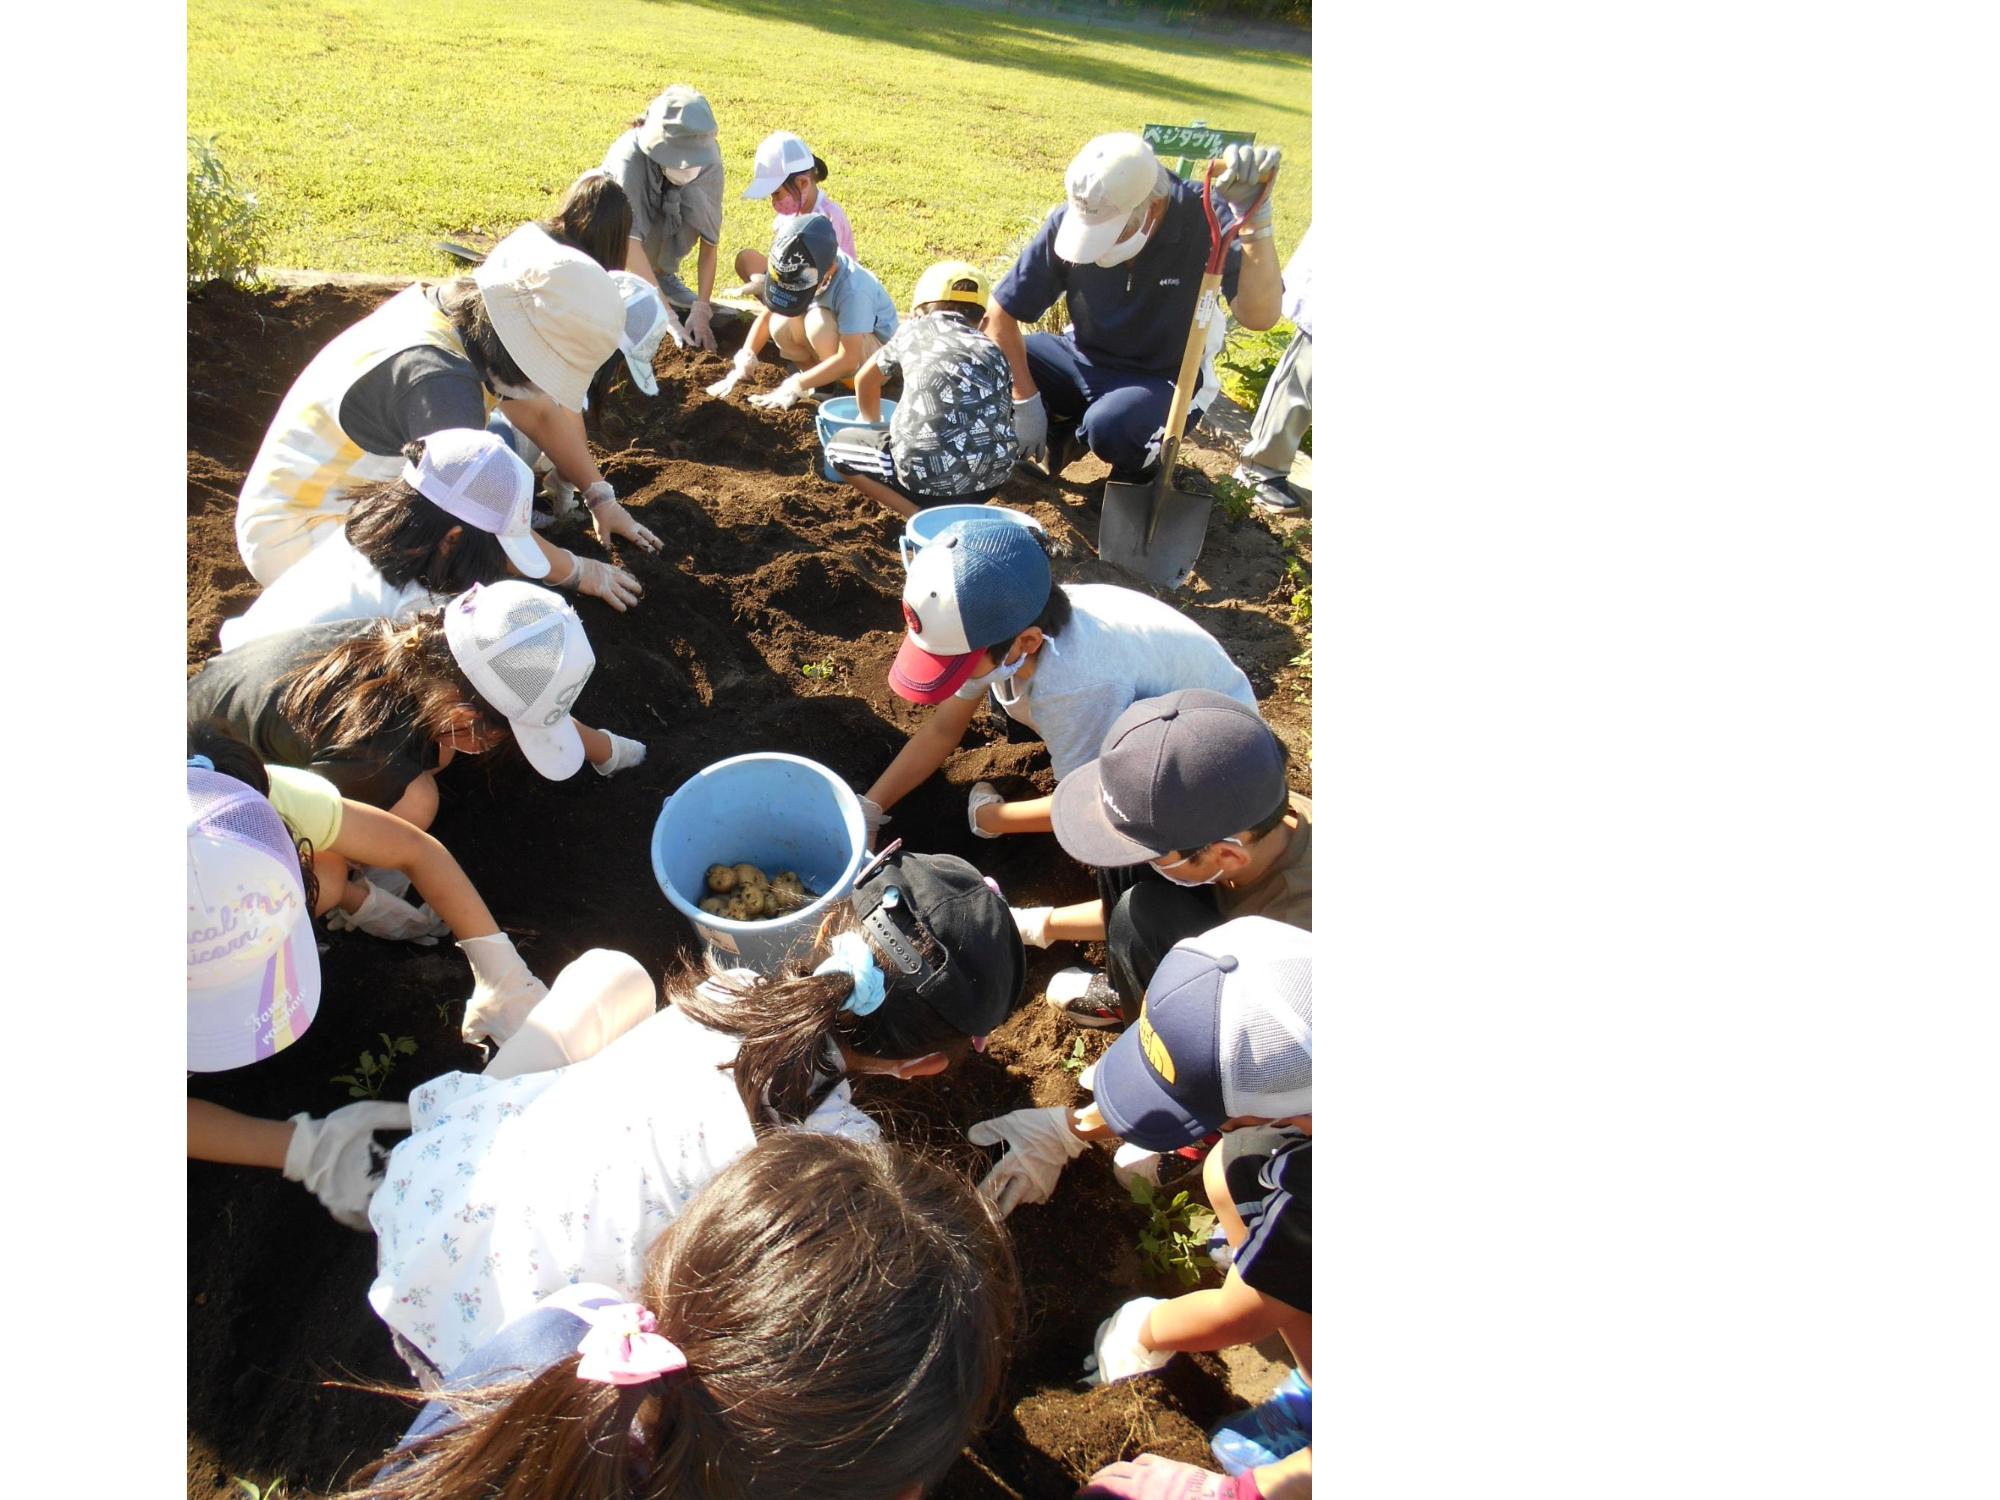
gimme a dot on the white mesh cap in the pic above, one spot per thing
(476, 478)
(648, 319)
(525, 651)
(1225, 1034)
(252, 965)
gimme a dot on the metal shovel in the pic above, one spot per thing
(1153, 529)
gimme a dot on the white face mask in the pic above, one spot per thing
(1179, 862)
(681, 176)
(1000, 674)
(1130, 246)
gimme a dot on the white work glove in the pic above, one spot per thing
(1117, 1353)
(788, 392)
(700, 316)
(338, 1158)
(1245, 169)
(738, 368)
(674, 329)
(385, 916)
(503, 991)
(1032, 922)
(984, 794)
(872, 819)
(1031, 428)
(561, 493)
(610, 519)
(625, 754)
(601, 580)
(1039, 1145)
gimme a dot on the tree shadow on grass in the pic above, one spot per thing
(1039, 47)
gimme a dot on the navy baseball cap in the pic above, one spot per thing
(804, 251)
(1175, 773)
(978, 583)
(1226, 1032)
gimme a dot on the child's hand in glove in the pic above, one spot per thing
(1039, 1145)
(738, 368)
(624, 754)
(503, 991)
(601, 580)
(385, 916)
(338, 1158)
(1117, 1353)
(788, 392)
(610, 519)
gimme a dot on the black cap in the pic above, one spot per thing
(940, 927)
(1175, 773)
(801, 255)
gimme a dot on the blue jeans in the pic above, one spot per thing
(1120, 415)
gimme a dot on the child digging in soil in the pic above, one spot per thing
(788, 173)
(1187, 819)
(379, 709)
(670, 166)
(457, 515)
(524, 334)
(951, 441)
(518, 1181)
(986, 619)
(823, 312)
(775, 1348)
(252, 990)
(1224, 1044)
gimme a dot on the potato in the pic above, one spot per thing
(788, 882)
(738, 910)
(721, 878)
(714, 905)
(750, 875)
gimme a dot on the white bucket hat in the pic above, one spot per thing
(554, 308)
(780, 155)
(476, 478)
(1110, 178)
(252, 964)
(525, 651)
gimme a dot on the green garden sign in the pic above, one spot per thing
(1180, 146)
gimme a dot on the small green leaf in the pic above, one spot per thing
(367, 1062)
(406, 1045)
(1140, 1189)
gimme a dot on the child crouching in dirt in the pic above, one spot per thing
(379, 709)
(1224, 1044)
(520, 1180)
(772, 1346)
(951, 441)
(457, 515)
(987, 620)
(825, 313)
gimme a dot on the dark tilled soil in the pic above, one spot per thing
(766, 569)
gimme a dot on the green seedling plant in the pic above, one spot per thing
(225, 232)
(275, 1490)
(372, 1072)
(1233, 498)
(1076, 1061)
(818, 671)
(1175, 1240)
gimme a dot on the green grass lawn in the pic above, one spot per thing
(370, 128)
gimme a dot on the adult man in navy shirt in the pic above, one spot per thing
(1127, 248)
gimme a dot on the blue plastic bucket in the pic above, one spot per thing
(778, 812)
(922, 528)
(838, 413)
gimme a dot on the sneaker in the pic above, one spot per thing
(1084, 997)
(1065, 447)
(1272, 491)
(1264, 1434)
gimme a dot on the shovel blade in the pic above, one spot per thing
(465, 253)
(1169, 553)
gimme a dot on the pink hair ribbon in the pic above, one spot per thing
(621, 1348)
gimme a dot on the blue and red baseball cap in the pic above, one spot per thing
(1225, 1033)
(976, 584)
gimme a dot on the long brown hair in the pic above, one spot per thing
(786, 1022)
(845, 1310)
(363, 686)
(595, 217)
(402, 533)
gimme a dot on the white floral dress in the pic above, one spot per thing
(508, 1189)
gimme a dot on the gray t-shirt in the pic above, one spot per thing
(668, 220)
(953, 431)
(1120, 646)
(859, 303)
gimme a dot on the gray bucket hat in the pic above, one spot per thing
(679, 130)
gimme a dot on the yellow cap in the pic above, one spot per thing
(935, 285)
